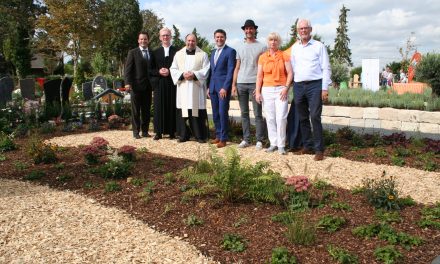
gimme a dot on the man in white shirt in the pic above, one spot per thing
(311, 70)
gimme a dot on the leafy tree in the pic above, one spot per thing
(341, 52)
(395, 66)
(152, 24)
(17, 19)
(339, 73)
(405, 51)
(177, 41)
(293, 36)
(356, 70)
(428, 70)
(99, 64)
(203, 42)
(122, 22)
(72, 26)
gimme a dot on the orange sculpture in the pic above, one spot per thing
(416, 58)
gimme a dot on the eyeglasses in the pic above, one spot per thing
(165, 35)
(303, 28)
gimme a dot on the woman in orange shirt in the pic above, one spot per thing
(274, 78)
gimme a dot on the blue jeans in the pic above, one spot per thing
(246, 91)
(308, 103)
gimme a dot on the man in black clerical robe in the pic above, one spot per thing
(164, 89)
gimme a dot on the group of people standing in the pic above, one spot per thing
(183, 79)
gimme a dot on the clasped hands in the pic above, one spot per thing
(188, 75)
(164, 72)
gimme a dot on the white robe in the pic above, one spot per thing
(190, 94)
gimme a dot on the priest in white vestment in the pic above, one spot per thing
(190, 71)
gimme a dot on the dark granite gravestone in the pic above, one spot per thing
(6, 88)
(66, 84)
(66, 111)
(99, 81)
(27, 87)
(87, 90)
(52, 98)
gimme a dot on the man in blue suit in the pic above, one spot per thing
(223, 60)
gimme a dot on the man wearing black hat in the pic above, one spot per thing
(245, 77)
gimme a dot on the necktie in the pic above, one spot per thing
(217, 53)
(145, 54)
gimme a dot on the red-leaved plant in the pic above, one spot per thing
(127, 152)
(99, 142)
(299, 183)
(92, 153)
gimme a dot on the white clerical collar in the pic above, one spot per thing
(167, 51)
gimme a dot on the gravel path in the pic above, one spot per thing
(41, 225)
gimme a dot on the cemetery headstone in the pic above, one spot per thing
(6, 88)
(27, 87)
(52, 98)
(87, 90)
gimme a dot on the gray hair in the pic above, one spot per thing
(302, 20)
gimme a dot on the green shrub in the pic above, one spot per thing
(406, 201)
(428, 70)
(281, 255)
(388, 254)
(341, 206)
(112, 186)
(380, 153)
(329, 137)
(345, 133)
(137, 181)
(398, 161)
(193, 220)
(301, 232)
(331, 223)
(321, 184)
(169, 178)
(232, 180)
(385, 232)
(47, 128)
(284, 217)
(341, 255)
(430, 217)
(41, 152)
(381, 193)
(388, 216)
(6, 142)
(233, 242)
(34, 175)
(115, 169)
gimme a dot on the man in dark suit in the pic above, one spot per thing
(138, 83)
(223, 60)
(164, 89)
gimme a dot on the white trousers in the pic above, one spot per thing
(276, 112)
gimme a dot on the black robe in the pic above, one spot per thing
(164, 94)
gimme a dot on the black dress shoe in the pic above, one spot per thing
(136, 136)
(201, 141)
(157, 137)
(145, 134)
(172, 136)
(181, 140)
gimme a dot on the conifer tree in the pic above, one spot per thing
(341, 52)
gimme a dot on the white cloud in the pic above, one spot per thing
(376, 28)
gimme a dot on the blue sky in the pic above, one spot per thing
(377, 29)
